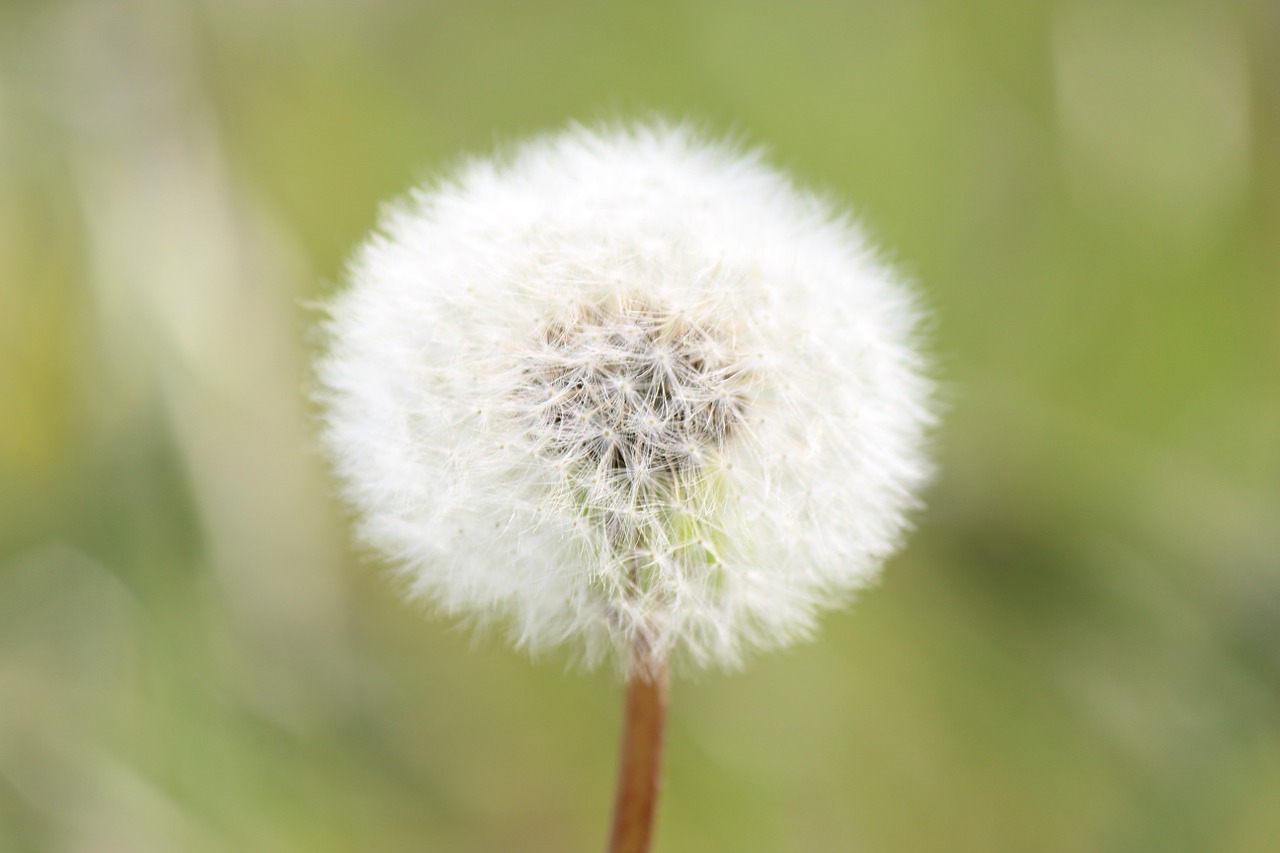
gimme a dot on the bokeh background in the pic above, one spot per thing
(1078, 651)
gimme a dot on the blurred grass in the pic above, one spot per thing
(1080, 649)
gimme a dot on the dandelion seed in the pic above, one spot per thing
(627, 391)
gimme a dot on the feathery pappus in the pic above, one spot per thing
(626, 387)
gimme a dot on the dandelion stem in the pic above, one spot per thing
(640, 760)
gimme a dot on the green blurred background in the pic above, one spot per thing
(1078, 651)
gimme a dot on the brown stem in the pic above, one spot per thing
(640, 761)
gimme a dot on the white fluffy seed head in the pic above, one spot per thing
(624, 388)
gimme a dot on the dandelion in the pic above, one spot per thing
(630, 392)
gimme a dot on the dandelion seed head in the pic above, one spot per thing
(625, 384)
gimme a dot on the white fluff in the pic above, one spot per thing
(624, 388)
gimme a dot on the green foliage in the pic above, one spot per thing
(1079, 650)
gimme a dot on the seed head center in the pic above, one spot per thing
(631, 395)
